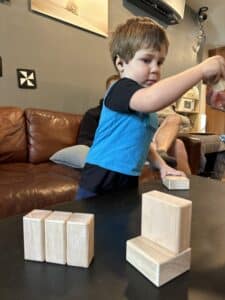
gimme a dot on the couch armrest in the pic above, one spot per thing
(193, 147)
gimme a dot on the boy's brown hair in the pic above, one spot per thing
(137, 33)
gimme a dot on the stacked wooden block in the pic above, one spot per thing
(162, 252)
(59, 237)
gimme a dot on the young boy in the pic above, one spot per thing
(128, 119)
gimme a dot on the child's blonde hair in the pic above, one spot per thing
(137, 33)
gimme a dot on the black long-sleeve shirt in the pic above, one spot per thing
(89, 125)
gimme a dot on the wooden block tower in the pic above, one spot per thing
(162, 252)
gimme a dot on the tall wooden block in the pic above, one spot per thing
(176, 182)
(166, 220)
(55, 237)
(80, 239)
(155, 262)
(34, 234)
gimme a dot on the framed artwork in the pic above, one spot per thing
(5, 1)
(26, 79)
(185, 105)
(91, 15)
(0, 66)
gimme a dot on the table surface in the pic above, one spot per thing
(117, 219)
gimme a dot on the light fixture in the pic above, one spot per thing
(201, 36)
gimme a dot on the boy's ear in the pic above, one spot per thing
(119, 64)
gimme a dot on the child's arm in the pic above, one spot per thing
(168, 90)
(158, 163)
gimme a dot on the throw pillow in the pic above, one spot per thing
(73, 156)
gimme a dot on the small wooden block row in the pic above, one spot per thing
(59, 237)
(162, 252)
(176, 182)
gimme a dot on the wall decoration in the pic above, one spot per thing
(91, 15)
(5, 1)
(0, 66)
(26, 79)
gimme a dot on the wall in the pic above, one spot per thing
(71, 64)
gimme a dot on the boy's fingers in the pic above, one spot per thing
(212, 79)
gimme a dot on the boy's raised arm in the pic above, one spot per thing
(168, 90)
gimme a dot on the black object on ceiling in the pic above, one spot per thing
(159, 10)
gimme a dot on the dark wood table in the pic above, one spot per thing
(109, 276)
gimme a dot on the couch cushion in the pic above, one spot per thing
(27, 186)
(13, 145)
(50, 131)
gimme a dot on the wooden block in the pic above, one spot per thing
(156, 263)
(55, 237)
(34, 234)
(176, 182)
(80, 239)
(166, 220)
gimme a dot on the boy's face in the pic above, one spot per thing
(145, 66)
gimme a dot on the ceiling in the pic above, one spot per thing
(215, 24)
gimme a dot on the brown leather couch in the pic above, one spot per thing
(28, 179)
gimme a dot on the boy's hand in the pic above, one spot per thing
(167, 170)
(213, 69)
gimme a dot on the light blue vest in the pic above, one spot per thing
(122, 141)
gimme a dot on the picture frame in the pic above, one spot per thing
(185, 105)
(5, 1)
(0, 66)
(90, 15)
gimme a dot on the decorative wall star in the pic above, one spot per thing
(26, 79)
